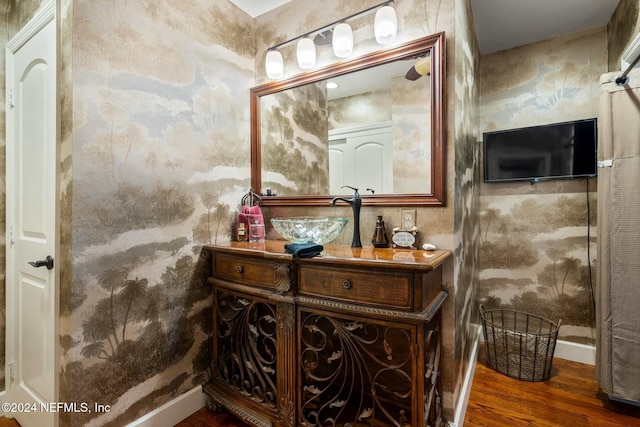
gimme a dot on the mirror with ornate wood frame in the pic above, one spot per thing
(432, 46)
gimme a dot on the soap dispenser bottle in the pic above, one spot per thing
(380, 239)
(242, 232)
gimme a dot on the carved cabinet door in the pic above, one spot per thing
(356, 371)
(245, 347)
(254, 357)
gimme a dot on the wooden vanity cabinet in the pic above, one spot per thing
(349, 338)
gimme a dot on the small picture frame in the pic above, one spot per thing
(404, 239)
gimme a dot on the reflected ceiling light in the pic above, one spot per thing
(423, 66)
(332, 85)
(274, 65)
(306, 54)
(386, 25)
(342, 40)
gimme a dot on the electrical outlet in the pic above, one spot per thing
(408, 220)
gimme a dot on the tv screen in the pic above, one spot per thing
(559, 150)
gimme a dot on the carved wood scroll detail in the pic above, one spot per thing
(287, 411)
(246, 342)
(286, 316)
(432, 399)
(222, 399)
(282, 277)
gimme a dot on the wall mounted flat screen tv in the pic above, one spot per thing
(559, 150)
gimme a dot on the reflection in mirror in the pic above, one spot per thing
(381, 128)
(379, 132)
(368, 129)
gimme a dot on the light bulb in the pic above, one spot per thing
(306, 54)
(342, 40)
(274, 65)
(386, 25)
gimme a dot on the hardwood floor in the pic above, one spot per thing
(570, 398)
(5, 422)
(204, 418)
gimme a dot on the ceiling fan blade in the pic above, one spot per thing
(412, 74)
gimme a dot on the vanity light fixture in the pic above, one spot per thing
(386, 25)
(342, 40)
(274, 65)
(385, 29)
(306, 53)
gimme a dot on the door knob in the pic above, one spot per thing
(47, 262)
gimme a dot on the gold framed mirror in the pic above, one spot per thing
(292, 127)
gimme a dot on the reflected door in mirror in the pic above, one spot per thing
(361, 158)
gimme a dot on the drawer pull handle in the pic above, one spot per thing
(346, 284)
(240, 269)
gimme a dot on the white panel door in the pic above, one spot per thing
(361, 158)
(31, 220)
(373, 162)
(337, 167)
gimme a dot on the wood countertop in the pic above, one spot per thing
(408, 259)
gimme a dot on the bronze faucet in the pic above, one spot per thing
(355, 202)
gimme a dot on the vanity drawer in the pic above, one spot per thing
(246, 270)
(391, 290)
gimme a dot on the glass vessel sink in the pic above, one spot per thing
(309, 229)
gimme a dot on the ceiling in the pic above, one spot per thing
(504, 24)
(255, 8)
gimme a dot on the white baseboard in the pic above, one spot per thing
(568, 350)
(174, 411)
(461, 407)
(575, 352)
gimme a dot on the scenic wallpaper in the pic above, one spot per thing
(535, 259)
(538, 242)
(155, 164)
(295, 145)
(295, 126)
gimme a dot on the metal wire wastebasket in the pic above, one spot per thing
(519, 345)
